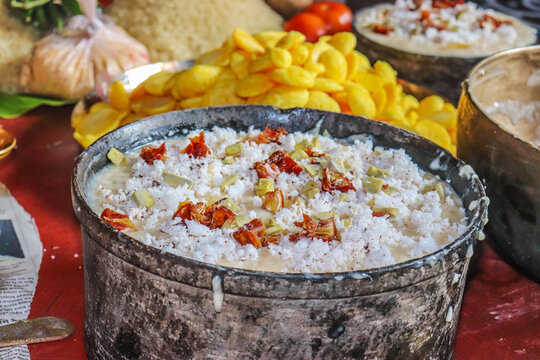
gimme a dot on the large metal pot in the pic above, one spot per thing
(141, 303)
(510, 165)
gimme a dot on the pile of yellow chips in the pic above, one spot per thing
(277, 68)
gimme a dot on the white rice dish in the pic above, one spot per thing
(423, 219)
(460, 30)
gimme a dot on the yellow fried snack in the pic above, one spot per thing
(277, 68)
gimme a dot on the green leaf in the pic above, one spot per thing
(15, 105)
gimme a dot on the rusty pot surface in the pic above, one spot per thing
(141, 303)
(509, 164)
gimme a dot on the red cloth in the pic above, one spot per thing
(500, 317)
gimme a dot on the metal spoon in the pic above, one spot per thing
(33, 331)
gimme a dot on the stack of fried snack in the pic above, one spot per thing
(281, 69)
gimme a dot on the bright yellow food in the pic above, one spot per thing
(281, 69)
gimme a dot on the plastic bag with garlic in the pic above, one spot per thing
(87, 52)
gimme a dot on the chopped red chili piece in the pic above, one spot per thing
(211, 216)
(118, 221)
(425, 15)
(307, 224)
(445, 4)
(201, 214)
(380, 213)
(384, 187)
(197, 148)
(425, 19)
(381, 29)
(312, 153)
(284, 162)
(324, 229)
(150, 154)
(274, 239)
(270, 135)
(251, 233)
(266, 170)
(220, 216)
(494, 21)
(333, 180)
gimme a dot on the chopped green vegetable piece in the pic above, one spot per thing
(263, 186)
(337, 164)
(241, 221)
(323, 162)
(312, 170)
(234, 149)
(298, 154)
(379, 151)
(435, 187)
(343, 197)
(302, 145)
(393, 212)
(373, 171)
(349, 163)
(347, 222)
(176, 180)
(310, 189)
(371, 184)
(143, 198)
(324, 215)
(231, 205)
(117, 158)
(316, 142)
(230, 180)
(326, 133)
(228, 160)
(390, 190)
(274, 230)
(270, 222)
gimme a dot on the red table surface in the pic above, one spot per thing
(500, 317)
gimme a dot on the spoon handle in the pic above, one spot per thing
(36, 330)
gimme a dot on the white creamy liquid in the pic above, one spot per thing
(522, 119)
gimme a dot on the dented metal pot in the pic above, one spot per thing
(141, 303)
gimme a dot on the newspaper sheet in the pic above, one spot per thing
(20, 258)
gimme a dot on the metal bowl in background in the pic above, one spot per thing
(143, 303)
(509, 165)
(442, 74)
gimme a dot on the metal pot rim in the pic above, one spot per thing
(476, 103)
(475, 223)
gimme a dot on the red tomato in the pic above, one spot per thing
(308, 24)
(336, 16)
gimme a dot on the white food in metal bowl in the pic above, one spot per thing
(423, 223)
(464, 30)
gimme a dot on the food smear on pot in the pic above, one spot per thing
(277, 68)
(443, 28)
(273, 201)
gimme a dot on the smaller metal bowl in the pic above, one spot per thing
(442, 74)
(509, 164)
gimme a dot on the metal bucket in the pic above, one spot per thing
(509, 164)
(141, 303)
